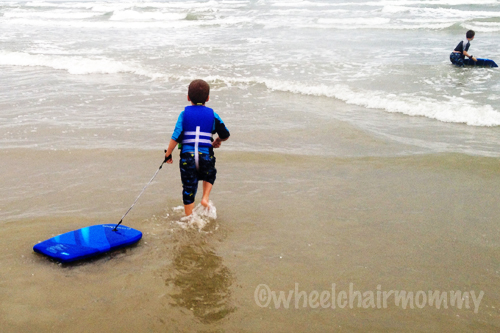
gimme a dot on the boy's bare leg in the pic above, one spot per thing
(207, 187)
(188, 209)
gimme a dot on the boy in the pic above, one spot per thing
(462, 50)
(193, 130)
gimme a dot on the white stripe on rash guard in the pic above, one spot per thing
(464, 45)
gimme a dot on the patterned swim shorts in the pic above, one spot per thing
(456, 59)
(190, 176)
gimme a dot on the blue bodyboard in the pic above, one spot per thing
(87, 242)
(480, 62)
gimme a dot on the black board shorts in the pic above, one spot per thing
(456, 59)
(190, 176)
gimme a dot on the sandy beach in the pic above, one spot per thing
(410, 223)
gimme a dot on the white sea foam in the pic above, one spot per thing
(455, 110)
(54, 14)
(72, 64)
(291, 14)
(354, 21)
(71, 4)
(132, 20)
(440, 12)
(200, 217)
(395, 9)
(209, 6)
(109, 7)
(392, 18)
(321, 5)
(132, 15)
(383, 3)
(102, 25)
(481, 26)
(429, 2)
(427, 26)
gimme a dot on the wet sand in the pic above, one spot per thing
(423, 222)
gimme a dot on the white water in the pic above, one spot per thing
(77, 66)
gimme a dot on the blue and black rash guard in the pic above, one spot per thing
(463, 46)
(209, 122)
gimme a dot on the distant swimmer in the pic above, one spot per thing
(458, 55)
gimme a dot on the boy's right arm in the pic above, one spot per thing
(467, 54)
(171, 146)
(175, 136)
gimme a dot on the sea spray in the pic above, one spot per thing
(200, 217)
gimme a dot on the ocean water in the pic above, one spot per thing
(70, 67)
(357, 152)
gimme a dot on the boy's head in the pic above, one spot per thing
(470, 34)
(198, 92)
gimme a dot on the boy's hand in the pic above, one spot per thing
(168, 158)
(171, 146)
(217, 142)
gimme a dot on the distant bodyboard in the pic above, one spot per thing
(87, 242)
(480, 62)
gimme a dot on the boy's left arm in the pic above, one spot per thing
(222, 132)
(217, 142)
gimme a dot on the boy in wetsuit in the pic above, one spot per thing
(193, 130)
(462, 50)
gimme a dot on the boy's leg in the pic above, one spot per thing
(207, 174)
(207, 187)
(188, 209)
(456, 59)
(189, 181)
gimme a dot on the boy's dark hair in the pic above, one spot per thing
(198, 91)
(470, 34)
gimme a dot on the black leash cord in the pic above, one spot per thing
(166, 159)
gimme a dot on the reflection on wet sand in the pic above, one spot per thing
(199, 280)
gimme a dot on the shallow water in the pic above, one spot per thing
(358, 155)
(426, 222)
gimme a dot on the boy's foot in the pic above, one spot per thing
(209, 211)
(205, 203)
(188, 209)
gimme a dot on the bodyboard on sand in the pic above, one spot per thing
(480, 62)
(87, 242)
